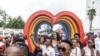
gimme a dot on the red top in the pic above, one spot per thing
(2, 45)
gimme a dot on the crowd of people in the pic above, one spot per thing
(14, 46)
(52, 45)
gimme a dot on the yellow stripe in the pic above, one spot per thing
(71, 21)
(72, 29)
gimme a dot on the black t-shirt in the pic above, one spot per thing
(30, 54)
(81, 45)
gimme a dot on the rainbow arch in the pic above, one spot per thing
(66, 18)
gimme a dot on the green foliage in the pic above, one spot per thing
(10, 22)
(3, 13)
(91, 14)
(16, 23)
(3, 16)
(1, 23)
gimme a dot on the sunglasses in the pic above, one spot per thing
(62, 48)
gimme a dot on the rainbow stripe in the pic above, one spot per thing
(70, 19)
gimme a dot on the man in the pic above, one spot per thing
(65, 48)
(76, 51)
(17, 49)
(77, 37)
(97, 43)
(90, 35)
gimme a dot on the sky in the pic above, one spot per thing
(25, 8)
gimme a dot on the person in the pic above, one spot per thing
(38, 51)
(90, 35)
(25, 38)
(55, 38)
(97, 43)
(42, 40)
(17, 49)
(21, 41)
(2, 46)
(7, 40)
(48, 50)
(55, 41)
(65, 48)
(77, 37)
(89, 50)
(76, 51)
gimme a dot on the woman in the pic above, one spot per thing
(41, 42)
(89, 50)
(55, 41)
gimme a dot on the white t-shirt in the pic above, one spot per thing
(76, 52)
(97, 43)
(47, 50)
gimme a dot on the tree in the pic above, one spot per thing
(1, 23)
(16, 23)
(91, 14)
(3, 16)
(10, 22)
(21, 22)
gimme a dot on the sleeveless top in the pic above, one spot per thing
(88, 51)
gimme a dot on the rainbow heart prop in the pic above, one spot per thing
(68, 18)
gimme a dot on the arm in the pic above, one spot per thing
(12, 40)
